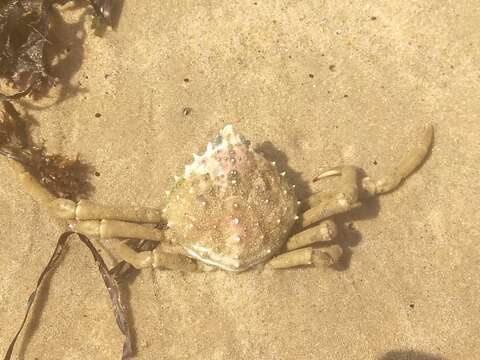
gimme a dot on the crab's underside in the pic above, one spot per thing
(232, 209)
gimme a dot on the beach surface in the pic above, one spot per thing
(315, 84)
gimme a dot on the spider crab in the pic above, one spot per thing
(231, 209)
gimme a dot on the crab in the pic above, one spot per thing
(232, 209)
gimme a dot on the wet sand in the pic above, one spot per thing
(317, 84)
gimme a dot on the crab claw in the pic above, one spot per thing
(331, 172)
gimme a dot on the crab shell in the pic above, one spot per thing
(232, 208)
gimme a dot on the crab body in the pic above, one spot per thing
(232, 208)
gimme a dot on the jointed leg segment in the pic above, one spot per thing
(84, 209)
(155, 258)
(323, 232)
(327, 204)
(300, 253)
(307, 256)
(107, 229)
(323, 205)
(408, 164)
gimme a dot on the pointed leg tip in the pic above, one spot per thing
(331, 172)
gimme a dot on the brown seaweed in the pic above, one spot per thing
(63, 177)
(24, 38)
(103, 10)
(110, 283)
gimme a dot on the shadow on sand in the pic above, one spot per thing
(348, 237)
(410, 355)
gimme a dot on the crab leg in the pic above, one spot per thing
(325, 231)
(325, 204)
(155, 258)
(316, 199)
(409, 163)
(106, 229)
(327, 256)
(344, 200)
(84, 209)
(31, 185)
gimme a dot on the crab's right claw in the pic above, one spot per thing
(406, 167)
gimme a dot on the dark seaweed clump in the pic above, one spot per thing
(63, 177)
(24, 40)
(23, 35)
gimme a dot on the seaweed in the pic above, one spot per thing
(23, 36)
(63, 177)
(110, 284)
(27, 57)
(24, 39)
(103, 14)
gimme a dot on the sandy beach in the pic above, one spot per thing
(316, 84)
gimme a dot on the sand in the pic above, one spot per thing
(317, 84)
